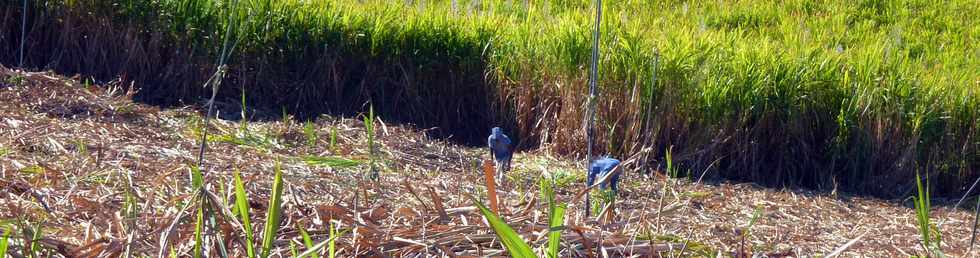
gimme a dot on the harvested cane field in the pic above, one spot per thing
(89, 173)
(795, 128)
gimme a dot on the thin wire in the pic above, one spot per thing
(23, 34)
(967, 193)
(592, 96)
(976, 214)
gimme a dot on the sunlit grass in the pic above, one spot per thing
(734, 58)
(333, 162)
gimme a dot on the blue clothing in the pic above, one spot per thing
(500, 145)
(600, 168)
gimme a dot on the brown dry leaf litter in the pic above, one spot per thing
(72, 153)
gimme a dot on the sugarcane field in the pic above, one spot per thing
(489, 128)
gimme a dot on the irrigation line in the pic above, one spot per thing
(23, 34)
(590, 109)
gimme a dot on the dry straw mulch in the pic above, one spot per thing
(73, 153)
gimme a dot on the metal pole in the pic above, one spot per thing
(23, 34)
(590, 110)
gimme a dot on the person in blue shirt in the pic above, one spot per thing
(597, 170)
(501, 150)
(600, 168)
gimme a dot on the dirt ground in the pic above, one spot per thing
(103, 175)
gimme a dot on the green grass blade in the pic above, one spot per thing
(243, 126)
(330, 242)
(198, 231)
(556, 218)
(197, 178)
(511, 240)
(36, 240)
(333, 139)
(755, 216)
(931, 237)
(307, 241)
(369, 126)
(556, 224)
(241, 207)
(332, 245)
(333, 162)
(272, 217)
(922, 212)
(310, 131)
(5, 241)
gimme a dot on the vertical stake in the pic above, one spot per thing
(590, 109)
(23, 34)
